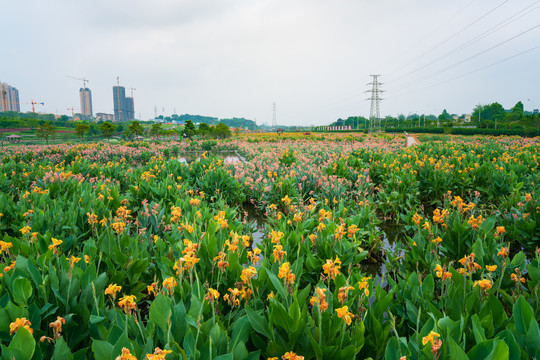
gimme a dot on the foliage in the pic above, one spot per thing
(113, 249)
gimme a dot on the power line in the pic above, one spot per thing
(468, 73)
(431, 33)
(448, 39)
(404, 86)
(475, 39)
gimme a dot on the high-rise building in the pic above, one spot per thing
(9, 98)
(130, 108)
(120, 108)
(86, 103)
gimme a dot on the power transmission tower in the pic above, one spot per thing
(374, 111)
(274, 123)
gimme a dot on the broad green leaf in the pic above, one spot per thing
(22, 290)
(24, 342)
(61, 350)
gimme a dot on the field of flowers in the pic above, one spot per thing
(311, 247)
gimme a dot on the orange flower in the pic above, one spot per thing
(491, 268)
(503, 252)
(5, 246)
(417, 218)
(319, 299)
(126, 355)
(55, 244)
(86, 259)
(112, 289)
(500, 230)
(26, 230)
(16, 325)
(344, 314)
(222, 261)
(286, 200)
(286, 273)
(73, 260)
(57, 326)
(276, 236)
(158, 354)
(170, 284)
(248, 274)
(212, 295)
(437, 240)
(432, 336)
(92, 218)
(292, 356)
(127, 303)
(279, 253)
(331, 268)
(364, 285)
(343, 293)
(484, 284)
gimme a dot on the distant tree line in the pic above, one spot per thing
(490, 116)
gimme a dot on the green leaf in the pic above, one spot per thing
(456, 353)
(61, 350)
(277, 284)
(24, 342)
(522, 314)
(258, 323)
(102, 350)
(160, 312)
(22, 290)
(500, 352)
(478, 330)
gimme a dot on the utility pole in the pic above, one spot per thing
(274, 123)
(374, 111)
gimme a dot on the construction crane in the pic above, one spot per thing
(35, 103)
(72, 112)
(84, 80)
(131, 89)
(83, 102)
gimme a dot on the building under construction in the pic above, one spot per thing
(86, 103)
(9, 98)
(124, 109)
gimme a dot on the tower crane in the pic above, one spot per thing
(32, 102)
(84, 80)
(35, 103)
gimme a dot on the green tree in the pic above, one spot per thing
(156, 129)
(136, 128)
(222, 131)
(189, 129)
(81, 129)
(107, 129)
(45, 131)
(517, 110)
(204, 129)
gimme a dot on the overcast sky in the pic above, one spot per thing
(314, 58)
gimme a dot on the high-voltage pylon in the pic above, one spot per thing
(274, 123)
(374, 111)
